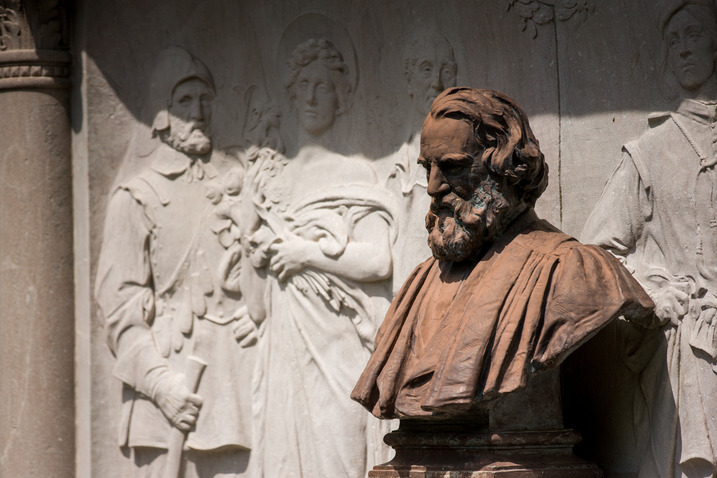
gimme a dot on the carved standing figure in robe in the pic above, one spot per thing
(167, 287)
(324, 235)
(658, 214)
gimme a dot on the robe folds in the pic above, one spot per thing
(534, 297)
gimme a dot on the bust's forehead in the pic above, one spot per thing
(442, 136)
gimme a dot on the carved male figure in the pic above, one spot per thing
(659, 216)
(429, 68)
(166, 288)
(506, 295)
(325, 234)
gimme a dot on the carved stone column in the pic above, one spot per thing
(37, 426)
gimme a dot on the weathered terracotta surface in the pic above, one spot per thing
(505, 297)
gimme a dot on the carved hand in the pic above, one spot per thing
(704, 308)
(256, 246)
(671, 304)
(245, 330)
(177, 403)
(290, 256)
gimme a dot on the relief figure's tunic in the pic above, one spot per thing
(658, 215)
(164, 297)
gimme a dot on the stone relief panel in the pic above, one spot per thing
(657, 215)
(326, 159)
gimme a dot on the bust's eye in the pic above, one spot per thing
(185, 100)
(449, 169)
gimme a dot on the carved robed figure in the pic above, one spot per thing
(476, 332)
(323, 239)
(658, 215)
(166, 287)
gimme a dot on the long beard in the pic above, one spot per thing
(188, 137)
(458, 229)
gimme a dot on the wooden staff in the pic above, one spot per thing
(175, 446)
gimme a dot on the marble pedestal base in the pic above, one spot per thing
(437, 451)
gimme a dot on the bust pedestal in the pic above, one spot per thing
(518, 436)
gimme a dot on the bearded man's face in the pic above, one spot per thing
(189, 117)
(466, 201)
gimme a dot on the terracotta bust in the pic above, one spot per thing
(506, 295)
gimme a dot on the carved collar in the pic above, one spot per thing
(169, 162)
(701, 111)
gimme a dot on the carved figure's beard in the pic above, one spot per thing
(188, 137)
(459, 229)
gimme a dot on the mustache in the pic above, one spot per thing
(184, 129)
(467, 212)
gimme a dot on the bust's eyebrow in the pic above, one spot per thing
(455, 159)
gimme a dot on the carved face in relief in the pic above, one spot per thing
(318, 85)
(430, 69)
(691, 50)
(464, 197)
(315, 98)
(189, 117)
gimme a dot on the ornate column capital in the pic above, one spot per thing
(34, 44)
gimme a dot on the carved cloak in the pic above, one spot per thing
(656, 215)
(533, 298)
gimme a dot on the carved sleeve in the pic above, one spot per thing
(619, 217)
(124, 291)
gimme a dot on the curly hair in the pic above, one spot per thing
(501, 130)
(320, 50)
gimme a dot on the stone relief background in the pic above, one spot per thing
(585, 72)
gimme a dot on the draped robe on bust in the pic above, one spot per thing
(457, 335)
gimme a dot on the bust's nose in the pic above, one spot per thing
(437, 184)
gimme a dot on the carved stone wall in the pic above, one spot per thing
(586, 72)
